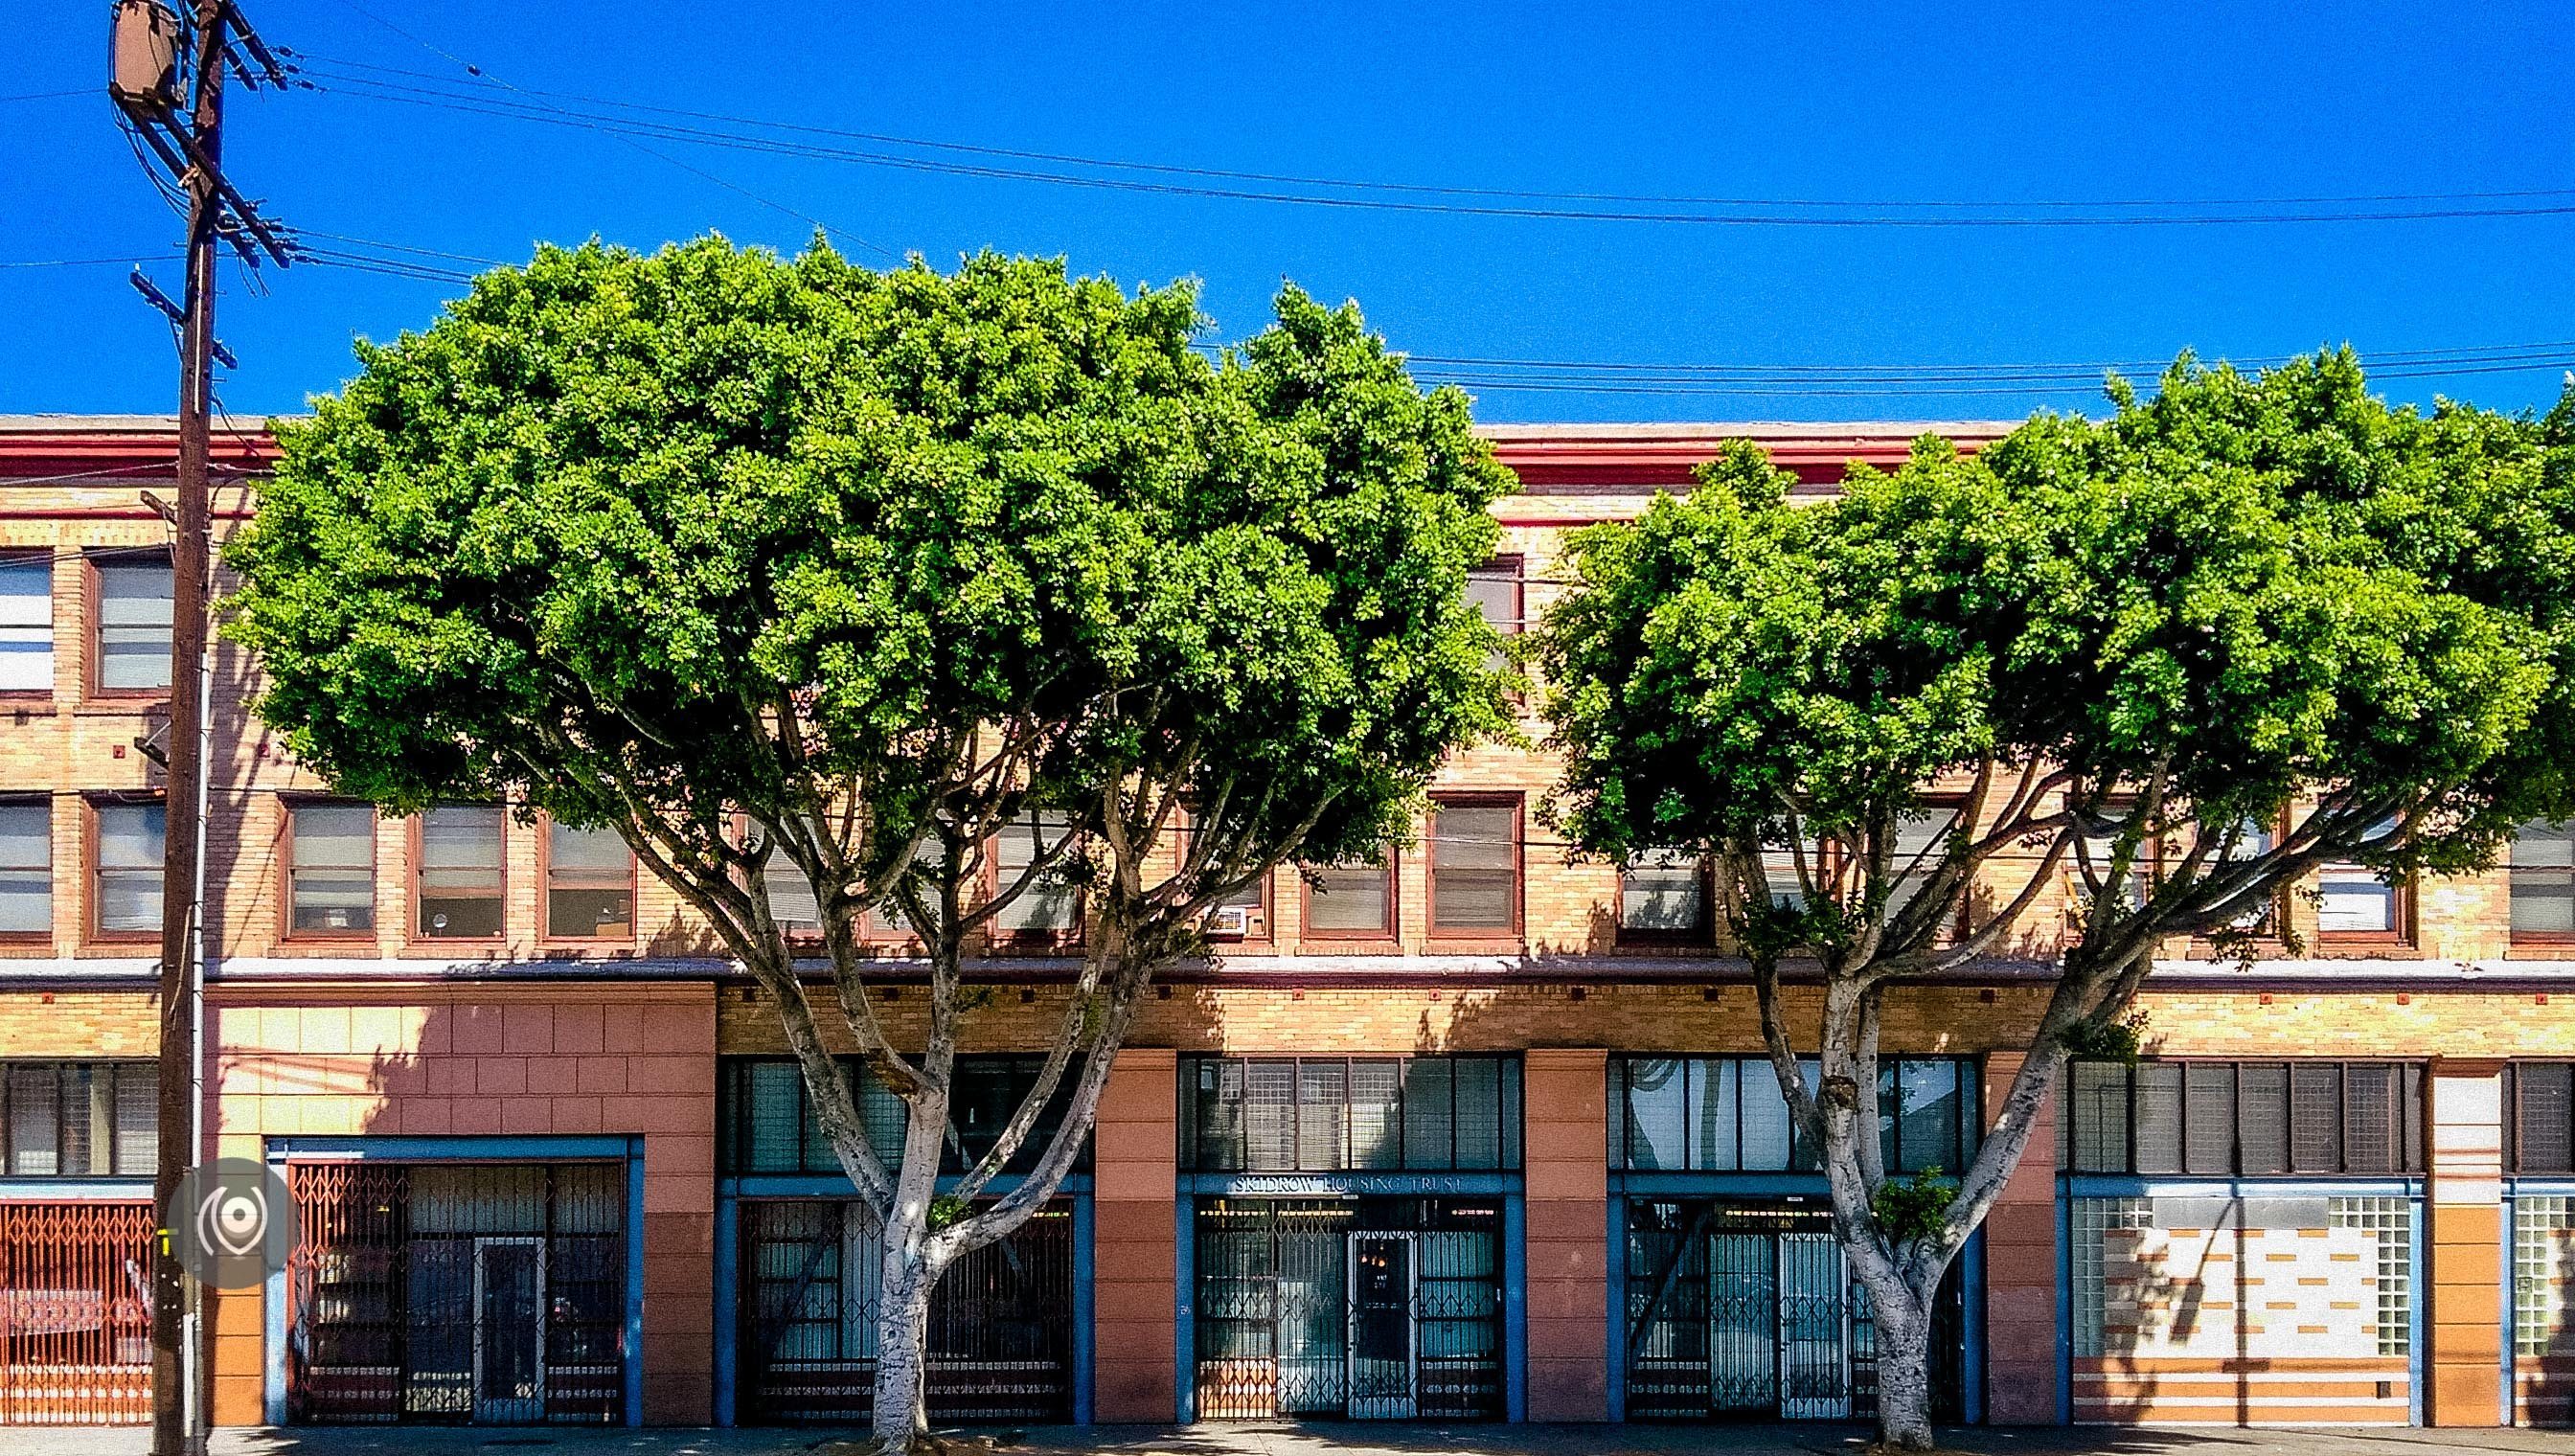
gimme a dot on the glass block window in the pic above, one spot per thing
(73, 1120)
(1474, 868)
(26, 868)
(126, 881)
(1725, 1114)
(331, 875)
(134, 620)
(1049, 905)
(2543, 881)
(2093, 1218)
(1663, 895)
(2539, 1117)
(2392, 1220)
(456, 886)
(2543, 1296)
(590, 884)
(1330, 1114)
(2252, 1120)
(766, 1123)
(26, 624)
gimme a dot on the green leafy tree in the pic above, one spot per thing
(796, 568)
(2104, 684)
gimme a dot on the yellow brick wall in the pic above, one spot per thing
(69, 1024)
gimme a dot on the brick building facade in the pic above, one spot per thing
(1506, 1161)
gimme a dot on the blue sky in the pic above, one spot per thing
(1929, 103)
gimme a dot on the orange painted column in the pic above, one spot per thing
(2463, 1370)
(1135, 1240)
(1567, 1188)
(2021, 1262)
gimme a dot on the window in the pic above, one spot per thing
(77, 1119)
(2543, 881)
(1921, 842)
(459, 854)
(1249, 905)
(2251, 1119)
(2098, 852)
(792, 903)
(1351, 901)
(331, 871)
(26, 868)
(1049, 905)
(1327, 1115)
(1725, 1114)
(134, 619)
(590, 884)
(1663, 895)
(2358, 903)
(2253, 839)
(126, 893)
(765, 1121)
(26, 624)
(2539, 1110)
(1497, 590)
(1780, 867)
(1474, 868)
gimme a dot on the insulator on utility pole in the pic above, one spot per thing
(143, 57)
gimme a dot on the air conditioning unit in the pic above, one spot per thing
(1231, 922)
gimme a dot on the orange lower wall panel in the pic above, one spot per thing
(2243, 1392)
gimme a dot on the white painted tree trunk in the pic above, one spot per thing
(902, 1419)
(1903, 1331)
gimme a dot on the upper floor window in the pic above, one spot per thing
(134, 620)
(71, 1119)
(2250, 1118)
(1727, 1114)
(1498, 594)
(26, 624)
(457, 882)
(331, 868)
(2539, 1111)
(1663, 895)
(1329, 1113)
(1474, 868)
(26, 868)
(2358, 902)
(590, 884)
(1921, 842)
(125, 889)
(1351, 901)
(2543, 881)
(1049, 905)
(766, 1124)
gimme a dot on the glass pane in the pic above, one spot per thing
(460, 847)
(1479, 1111)
(589, 856)
(1352, 900)
(1656, 1113)
(1322, 1097)
(1473, 899)
(1269, 1117)
(1922, 837)
(1929, 1109)
(1663, 891)
(26, 592)
(1217, 1143)
(334, 837)
(26, 869)
(130, 835)
(1715, 1094)
(2370, 1119)
(2262, 1119)
(1429, 1124)
(35, 1121)
(2158, 1117)
(1377, 1112)
(334, 899)
(2355, 901)
(1495, 591)
(129, 901)
(2099, 1096)
(138, 1118)
(1473, 864)
(2543, 879)
(792, 901)
(2543, 1135)
(773, 1105)
(134, 618)
(2211, 1103)
(1765, 1120)
(1780, 871)
(583, 914)
(2315, 1117)
(1048, 905)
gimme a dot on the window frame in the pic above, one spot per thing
(290, 805)
(120, 1066)
(92, 805)
(546, 827)
(94, 591)
(418, 933)
(40, 557)
(1440, 804)
(1388, 934)
(2412, 1158)
(53, 877)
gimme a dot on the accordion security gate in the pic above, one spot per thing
(1001, 1320)
(456, 1293)
(1388, 1308)
(75, 1314)
(1747, 1310)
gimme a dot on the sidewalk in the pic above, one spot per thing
(1317, 1438)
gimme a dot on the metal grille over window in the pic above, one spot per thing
(77, 1119)
(128, 876)
(26, 869)
(2540, 1111)
(26, 624)
(134, 619)
(460, 873)
(75, 1284)
(330, 885)
(1727, 1114)
(1330, 1114)
(2254, 1119)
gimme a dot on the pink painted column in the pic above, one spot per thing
(1567, 1188)
(1134, 1239)
(2020, 1271)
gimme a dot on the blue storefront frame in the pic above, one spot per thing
(734, 1190)
(628, 1152)
(1503, 1185)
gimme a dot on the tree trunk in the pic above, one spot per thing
(902, 1327)
(1903, 1330)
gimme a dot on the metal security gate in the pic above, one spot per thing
(1001, 1327)
(1387, 1308)
(456, 1293)
(75, 1314)
(1748, 1310)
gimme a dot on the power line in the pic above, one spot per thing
(1050, 168)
